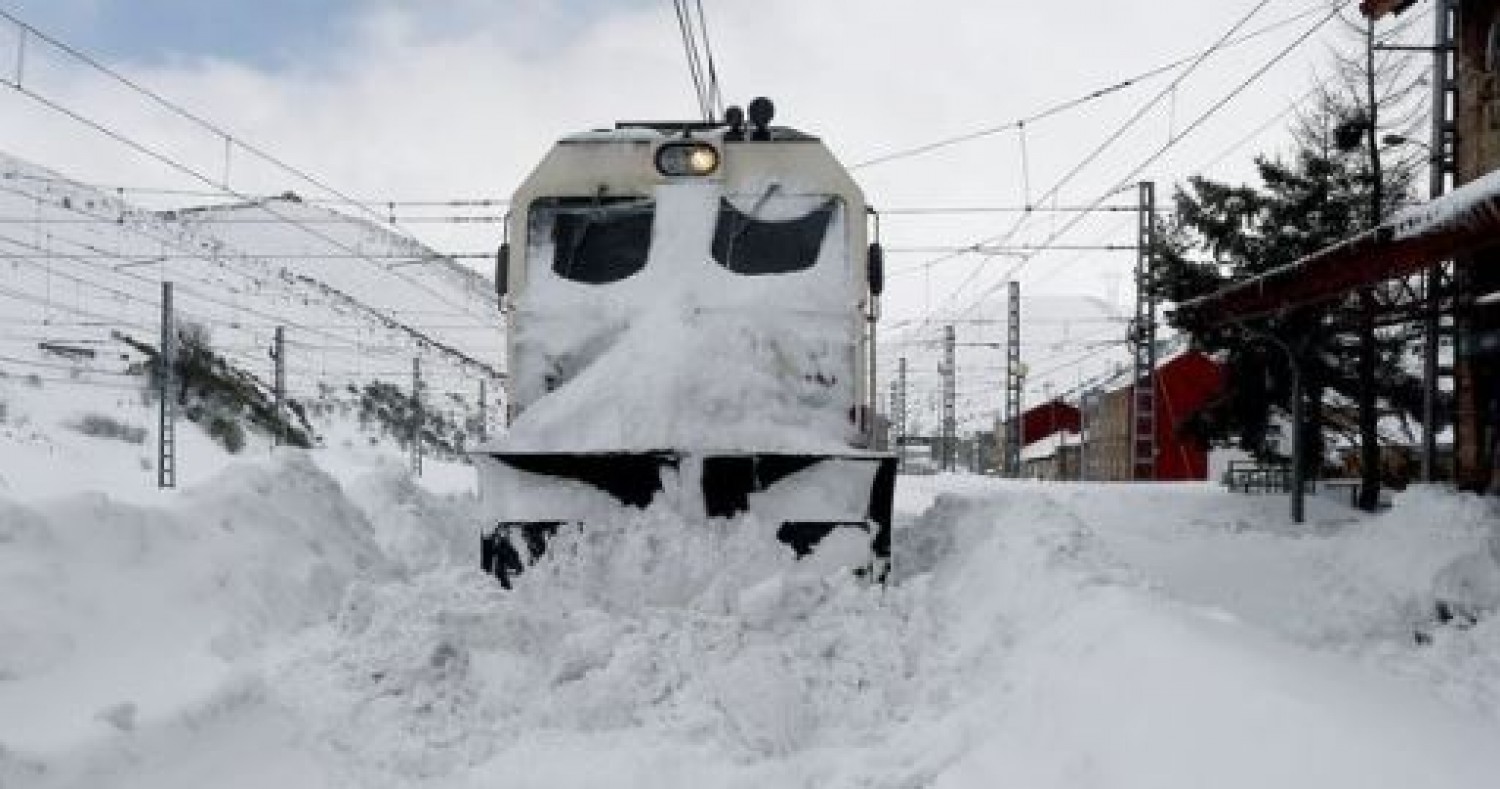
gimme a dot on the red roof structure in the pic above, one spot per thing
(1375, 9)
(1039, 422)
(1463, 222)
(1185, 383)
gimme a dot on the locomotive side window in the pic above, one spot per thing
(748, 244)
(593, 240)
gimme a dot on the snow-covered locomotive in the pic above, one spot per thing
(691, 314)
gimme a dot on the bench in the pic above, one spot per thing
(1245, 476)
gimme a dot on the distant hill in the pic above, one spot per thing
(357, 302)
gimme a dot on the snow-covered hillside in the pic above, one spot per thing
(315, 619)
(356, 302)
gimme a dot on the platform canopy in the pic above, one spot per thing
(1375, 9)
(1460, 223)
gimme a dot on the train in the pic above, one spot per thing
(691, 312)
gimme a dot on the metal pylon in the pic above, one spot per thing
(1143, 344)
(1438, 281)
(1015, 378)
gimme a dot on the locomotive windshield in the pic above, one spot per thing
(594, 240)
(748, 243)
(602, 239)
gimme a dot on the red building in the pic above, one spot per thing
(1041, 421)
(1185, 383)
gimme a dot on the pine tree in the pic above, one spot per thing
(1317, 196)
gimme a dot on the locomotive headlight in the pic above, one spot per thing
(687, 158)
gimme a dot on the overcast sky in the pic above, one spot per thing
(400, 99)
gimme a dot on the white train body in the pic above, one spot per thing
(688, 314)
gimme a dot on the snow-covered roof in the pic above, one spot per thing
(629, 134)
(1167, 351)
(1047, 447)
(1475, 205)
(1461, 222)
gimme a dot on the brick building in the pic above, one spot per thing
(1185, 383)
(1039, 422)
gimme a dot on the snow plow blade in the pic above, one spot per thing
(529, 496)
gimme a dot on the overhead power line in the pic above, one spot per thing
(355, 344)
(999, 209)
(187, 170)
(380, 202)
(1001, 249)
(230, 140)
(1213, 109)
(1223, 154)
(1125, 182)
(1064, 106)
(386, 319)
(253, 220)
(693, 26)
(1004, 237)
(16, 83)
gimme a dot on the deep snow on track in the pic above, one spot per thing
(278, 625)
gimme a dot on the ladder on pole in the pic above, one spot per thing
(1143, 344)
(1014, 380)
(166, 451)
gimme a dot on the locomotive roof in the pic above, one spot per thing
(657, 130)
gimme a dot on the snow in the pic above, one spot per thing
(314, 619)
(627, 134)
(1472, 204)
(1047, 447)
(684, 355)
(689, 380)
(95, 265)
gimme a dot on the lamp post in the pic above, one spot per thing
(1298, 508)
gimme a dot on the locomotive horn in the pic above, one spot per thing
(761, 113)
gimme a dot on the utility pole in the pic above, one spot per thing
(278, 354)
(872, 407)
(1441, 150)
(900, 412)
(950, 397)
(166, 432)
(903, 413)
(484, 416)
(1143, 343)
(893, 440)
(416, 416)
(1014, 378)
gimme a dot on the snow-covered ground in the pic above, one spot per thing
(315, 619)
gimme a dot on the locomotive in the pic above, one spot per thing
(691, 311)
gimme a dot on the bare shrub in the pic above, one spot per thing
(102, 426)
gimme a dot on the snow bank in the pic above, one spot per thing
(1105, 685)
(104, 603)
(654, 630)
(1018, 647)
(1121, 692)
(275, 627)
